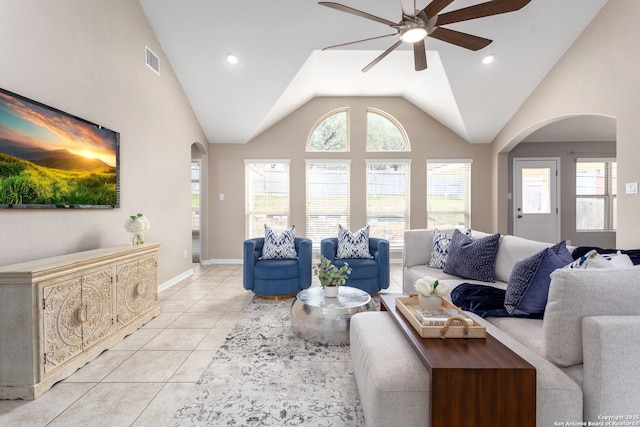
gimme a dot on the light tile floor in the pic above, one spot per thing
(145, 378)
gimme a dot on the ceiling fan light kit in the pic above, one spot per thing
(413, 34)
(416, 25)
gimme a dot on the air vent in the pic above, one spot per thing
(152, 60)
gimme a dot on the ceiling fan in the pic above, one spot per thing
(416, 25)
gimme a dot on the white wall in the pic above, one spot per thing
(86, 57)
(598, 75)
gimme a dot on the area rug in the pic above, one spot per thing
(264, 375)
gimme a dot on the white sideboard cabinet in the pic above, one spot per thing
(59, 313)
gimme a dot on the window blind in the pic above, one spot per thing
(449, 193)
(596, 201)
(328, 197)
(388, 195)
(266, 196)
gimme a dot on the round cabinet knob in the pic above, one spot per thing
(81, 315)
(141, 289)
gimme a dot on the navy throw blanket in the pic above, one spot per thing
(483, 300)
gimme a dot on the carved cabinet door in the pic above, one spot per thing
(135, 288)
(77, 313)
(97, 305)
(62, 317)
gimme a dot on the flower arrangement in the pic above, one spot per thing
(137, 225)
(329, 274)
(428, 286)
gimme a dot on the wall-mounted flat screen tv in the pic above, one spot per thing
(51, 159)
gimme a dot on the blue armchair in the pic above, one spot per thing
(369, 275)
(276, 278)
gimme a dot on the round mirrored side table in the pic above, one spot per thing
(326, 320)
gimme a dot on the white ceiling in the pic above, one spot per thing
(282, 65)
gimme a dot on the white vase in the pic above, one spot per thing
(432, 302)
(331, 291)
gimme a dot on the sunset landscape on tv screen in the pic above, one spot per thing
(52, 159)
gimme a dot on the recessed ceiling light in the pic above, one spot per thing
(232, 59)
(488, 59)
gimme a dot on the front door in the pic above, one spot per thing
(536, 215)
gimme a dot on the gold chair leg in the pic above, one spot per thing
(276, 297)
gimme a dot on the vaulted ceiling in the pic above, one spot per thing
(281, 64)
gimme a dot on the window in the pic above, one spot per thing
(266, 196)
(596, 204)
(449, 193)
(327, 198)
(388, 199)
(331, 132)
(384, 133)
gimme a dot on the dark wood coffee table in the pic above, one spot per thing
(472, 382)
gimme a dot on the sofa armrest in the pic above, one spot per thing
(304, 248)
(379, 248)
(252, 249)
(329, 248)
(611, 371)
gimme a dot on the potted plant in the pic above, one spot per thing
(136, 225)
(330, 276)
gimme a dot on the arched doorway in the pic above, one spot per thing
(571, 141)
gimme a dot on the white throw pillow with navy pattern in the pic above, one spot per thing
(353, 245)
(593, 259)
(279, 246)
(440, 248)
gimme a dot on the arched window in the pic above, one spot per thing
(384, 133)
(331, 132)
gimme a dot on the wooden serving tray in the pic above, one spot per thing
(408, 305)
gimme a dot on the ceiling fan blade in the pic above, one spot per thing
(358, 41)
(420, 55)
(435, 7)
(481, 10)
(382, 55)
(357, 12)
(408, 7)
(467, 41)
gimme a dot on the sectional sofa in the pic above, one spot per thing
(586, 348)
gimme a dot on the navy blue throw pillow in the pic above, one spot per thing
(528, 287)
(472, 259)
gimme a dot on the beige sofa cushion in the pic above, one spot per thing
(513, 249)
(417, 247)
(393, 383)
(578, 293)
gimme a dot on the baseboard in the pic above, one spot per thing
(220, 261)
(239, 261)
(169, 283)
